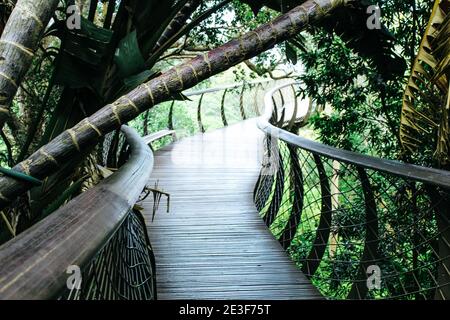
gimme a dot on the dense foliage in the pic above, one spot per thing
(365, 106)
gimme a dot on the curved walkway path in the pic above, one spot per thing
(213, 244)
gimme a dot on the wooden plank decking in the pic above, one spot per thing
(213, 244)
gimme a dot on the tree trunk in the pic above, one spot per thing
(18, 44)
(50, 157)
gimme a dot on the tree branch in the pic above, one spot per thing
(50, 157)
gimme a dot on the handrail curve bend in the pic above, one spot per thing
(360, 227)
(424, 174)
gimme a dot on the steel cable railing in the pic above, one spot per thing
(359, 227)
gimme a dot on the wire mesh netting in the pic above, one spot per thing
(358, 231)
(124, 269)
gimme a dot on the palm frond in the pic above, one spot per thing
(425, 111)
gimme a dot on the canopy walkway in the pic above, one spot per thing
(213, 243)
(353, 226)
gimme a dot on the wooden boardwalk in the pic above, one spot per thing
(213, 244)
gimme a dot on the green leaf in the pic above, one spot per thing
(426, 97)
(133, 81)
(92, 31)
(20, 176)
(128, 56)
(81, 59)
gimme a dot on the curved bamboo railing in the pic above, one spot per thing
(360, 227)
(97, 233)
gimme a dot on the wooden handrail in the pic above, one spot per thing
(423, 174)
(149, 139)
(34, 264)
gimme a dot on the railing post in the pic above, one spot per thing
(222, 109)
(297, 188)
(241, 103)
(199, 114)
(370, 254)
(279, 189)
(294, 112)
(323, 229)
(170, 120)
